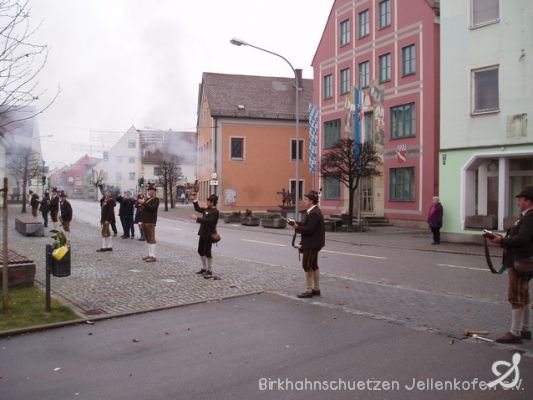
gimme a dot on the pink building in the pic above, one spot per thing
(391, 52)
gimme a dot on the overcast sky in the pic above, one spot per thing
(124, 62)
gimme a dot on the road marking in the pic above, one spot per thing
(460, 267)
(353, 254)
(267, 243)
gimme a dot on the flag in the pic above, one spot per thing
(358, 121)
(313, 136)
(401, 153)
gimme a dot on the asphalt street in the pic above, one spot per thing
(248, 325)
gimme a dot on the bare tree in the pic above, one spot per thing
(347, 166)
(21, 61)
(25, 165)
(168, 168)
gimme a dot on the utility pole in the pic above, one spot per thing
(6, 261)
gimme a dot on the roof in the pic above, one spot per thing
(247, 96)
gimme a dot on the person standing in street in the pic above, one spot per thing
(107, 214)
(113, 220)
(66, 214)
(518, 242)
(138, 216)
(125, 212)
(435, 214)
(34, 203)
(45, 208)
(149, 220)
(313, 233)
(208, 225)
(54, 210)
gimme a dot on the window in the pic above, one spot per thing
(408, 60)
(105, 155)
(364, 23)
(131, 176)
(485, 90)
(237, 148)
(384, 14)
(118, 176)
(328, 86)
(403, 122)
(158, 171)
(332, 188)
(131, 144)
(384, 68)
(484, 12)
(332, 132)
(364, 74)
(345, 80)
(402, 184)
(345, 32)
(369, 127)
(131, 160)
(300, 188)
(300, 149)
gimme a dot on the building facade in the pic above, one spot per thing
(486, 148)
(247, 142)
(390, 52)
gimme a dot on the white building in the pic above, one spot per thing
(137, 155)
(120, 165)
(486, 146)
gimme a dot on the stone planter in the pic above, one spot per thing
(250, 221)
(232, 219)
(277, 223)
(481, 222)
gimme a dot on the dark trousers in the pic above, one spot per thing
(127, 225)
(204, 247)
(114, 227)
(436, 234)
(45, 218)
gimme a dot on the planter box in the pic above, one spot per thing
(20, 270)
(481, 222)
(250, 221)
(232, 219)
(276, 223)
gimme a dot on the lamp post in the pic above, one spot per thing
(238, 42)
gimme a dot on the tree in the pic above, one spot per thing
(24, 165)
(340, 163)
(21, 61)
(169, 172)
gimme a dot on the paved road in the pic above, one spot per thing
(232, 337)
(252, 347)
(117, 283)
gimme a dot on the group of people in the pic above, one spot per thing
(141, 211)
(57, 206)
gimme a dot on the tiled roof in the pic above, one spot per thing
(245, 96)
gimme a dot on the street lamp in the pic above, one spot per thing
(238, 42)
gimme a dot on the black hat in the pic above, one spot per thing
(313, 196)
(213, 199)
(63, 194)
(151, 187)
(527, 192)
(54, 190)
